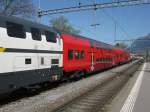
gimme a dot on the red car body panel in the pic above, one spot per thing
(121, 56)
(94, 58)
(75, 44)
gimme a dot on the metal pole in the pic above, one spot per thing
(115, 31)
(39, 16)
(94, 24)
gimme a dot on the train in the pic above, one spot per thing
(32, 54)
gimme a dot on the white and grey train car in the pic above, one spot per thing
(30, 53)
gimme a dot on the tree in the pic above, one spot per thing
(62, 24)
(121, 45)
(23, 8)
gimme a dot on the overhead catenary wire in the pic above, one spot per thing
(93, 6)
(117, 23)
(85, 29)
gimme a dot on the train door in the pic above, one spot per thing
(92, 46)
(92, 61)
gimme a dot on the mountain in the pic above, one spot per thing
(141, 45)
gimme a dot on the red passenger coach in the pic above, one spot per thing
(84, 55)
(75, 53)
(121, 56)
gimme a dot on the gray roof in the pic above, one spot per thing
(26, 23)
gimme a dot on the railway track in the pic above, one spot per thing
(95, 99)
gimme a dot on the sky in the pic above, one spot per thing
(131, 22)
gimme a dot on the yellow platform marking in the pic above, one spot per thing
(2, 49)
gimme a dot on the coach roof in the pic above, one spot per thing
(99, 44)
(25, 22)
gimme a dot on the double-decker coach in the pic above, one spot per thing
(30, 54)
(83, 55)
(121, 56)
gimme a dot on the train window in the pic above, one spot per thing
(82, 54)
(97, 60)
(70, 54)
(100, 60)
(42, 60)
(104, 60)
(107, 60)
(77, 56)
(91, 44)
(36, 35)
(15, 30)
(55, 61)
(28, 61)
(111, 59)
(50, 36)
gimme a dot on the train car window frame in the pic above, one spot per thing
(101, 60)
(110, 59)
(42, 60)
(82, 55)
(50, 36)
(107, 60)
(104, 60)
(54, 61)
(70, 54)
(15, 30)
(36, 34)
(97, 60)
(91, 44)
(77, 54)
(28, 61)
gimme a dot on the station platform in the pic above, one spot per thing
(138, 99)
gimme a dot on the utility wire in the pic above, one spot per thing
(95, 6)
(118, 24)
(83, 28)
(122, 28)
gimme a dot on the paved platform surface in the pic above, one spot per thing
(142, 103)
(138, 99)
